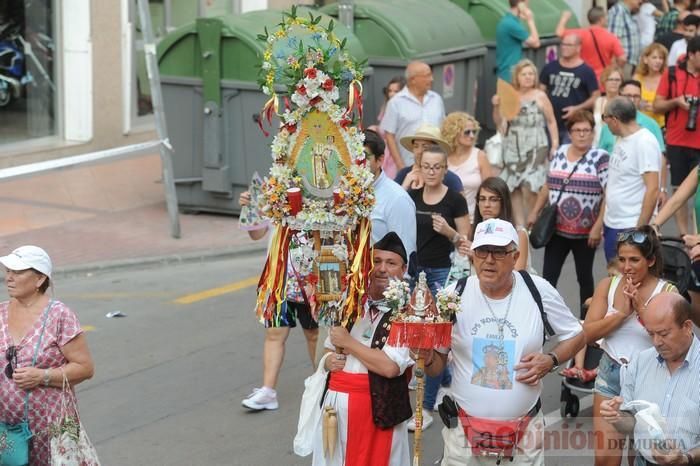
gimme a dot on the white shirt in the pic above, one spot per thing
(395, 211)
(631, 158)
(405, 113)
(647, 24)
(496, 394)
(678, 48)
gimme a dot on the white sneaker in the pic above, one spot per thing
(261, 398)
(427, 421)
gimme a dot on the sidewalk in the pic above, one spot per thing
(109, 215)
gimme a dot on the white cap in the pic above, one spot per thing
(494, 232)
(28, 257)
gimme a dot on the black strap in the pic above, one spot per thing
(565, 183)
(548, 330)
(595, 42)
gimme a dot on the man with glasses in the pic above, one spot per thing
(570, 83)
(633, 173)
(500, 331)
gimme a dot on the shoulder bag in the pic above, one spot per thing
(310, 411)
(14, 439)
(543, 229)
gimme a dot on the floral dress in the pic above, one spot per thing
(44, 402)
(525, 149)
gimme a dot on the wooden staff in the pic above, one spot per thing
(420, 386)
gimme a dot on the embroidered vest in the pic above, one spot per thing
(391, 404)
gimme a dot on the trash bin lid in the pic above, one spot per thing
(410, 29)
(241, 51)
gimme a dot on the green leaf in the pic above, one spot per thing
(294, 12)
(331, 25)
(317, 20)
(343, 42)
(262, 37)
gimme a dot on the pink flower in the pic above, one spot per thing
(301, 90)
(328, 85)
(310, 73)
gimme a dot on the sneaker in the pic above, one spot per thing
(261, 398)
(413, 383)
(427, 421)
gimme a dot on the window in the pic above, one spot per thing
(28, 53)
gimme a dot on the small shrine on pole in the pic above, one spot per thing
(318, 184)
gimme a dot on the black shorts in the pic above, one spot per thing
(682, 161)
(291, 312)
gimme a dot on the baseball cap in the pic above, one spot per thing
(494, 232)
(28, 257)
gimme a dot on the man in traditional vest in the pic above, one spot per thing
(368, 387)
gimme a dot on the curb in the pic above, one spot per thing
(156, 261)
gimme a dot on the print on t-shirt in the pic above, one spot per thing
(562, 83)
(493, 363)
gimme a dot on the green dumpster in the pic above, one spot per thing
(212, 102)
(487, 14)
(394, 32)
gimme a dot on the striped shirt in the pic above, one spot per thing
(622, 24)
(678, 395)
(667, 23)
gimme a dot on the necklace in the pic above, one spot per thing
(367, 334)
(501, 322)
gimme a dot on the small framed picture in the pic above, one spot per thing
(330, 271)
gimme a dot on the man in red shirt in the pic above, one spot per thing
(599, 47)
(678, 89)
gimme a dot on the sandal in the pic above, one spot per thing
(571, 373)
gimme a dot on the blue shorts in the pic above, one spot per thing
(607, 383)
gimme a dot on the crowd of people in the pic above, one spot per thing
(606, 132)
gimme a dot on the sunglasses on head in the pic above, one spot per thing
(633, 236)
(11, 356)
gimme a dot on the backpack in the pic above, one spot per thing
(548, 330)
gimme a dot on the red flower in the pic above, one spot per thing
(301, 90)
(310, 73)
(315, 100)
(344, 123)
(291, 127)
(327, 85)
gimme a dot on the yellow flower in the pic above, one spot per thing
(267, 55)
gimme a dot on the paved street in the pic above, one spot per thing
(170, 375)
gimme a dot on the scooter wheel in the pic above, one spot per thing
(573, 406)
(5, 97)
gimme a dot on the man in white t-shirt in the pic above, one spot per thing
(497, 352)
(633, 174)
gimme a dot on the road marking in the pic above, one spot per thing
(88, 328)
(214, 292)
(118, 295)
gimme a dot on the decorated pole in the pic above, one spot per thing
(420, 323)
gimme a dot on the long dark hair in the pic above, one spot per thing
(650, 248)
(500, 188)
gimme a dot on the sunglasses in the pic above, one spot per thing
(633, 236)
(11, 357)
(470, 132)
(498, 254)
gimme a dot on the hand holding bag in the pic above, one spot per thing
(14, 439)
(310, 411)
(70, 445)
(546, 224)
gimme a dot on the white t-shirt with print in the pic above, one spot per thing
(631, 158)
(483, 379)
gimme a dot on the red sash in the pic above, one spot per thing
(493, 438)
(367, 444)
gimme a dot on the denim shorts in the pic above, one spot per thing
(607, 383)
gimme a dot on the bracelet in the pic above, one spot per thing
(663, 190)
(47, 378)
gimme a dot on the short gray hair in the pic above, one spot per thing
(622, 109)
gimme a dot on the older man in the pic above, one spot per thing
(415, 104)
(668, 375)
(497, 353)
(633, 174)
(367, 386)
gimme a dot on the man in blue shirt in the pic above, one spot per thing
(394, 209)
(511, 35)
(667, 375)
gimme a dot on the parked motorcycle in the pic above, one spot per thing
(15, 73)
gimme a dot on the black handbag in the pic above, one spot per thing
(546, 224)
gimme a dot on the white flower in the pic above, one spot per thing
(266, 90)
(266, 65)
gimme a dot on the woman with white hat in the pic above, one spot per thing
(42, 342)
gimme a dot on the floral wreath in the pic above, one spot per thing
(313, 74)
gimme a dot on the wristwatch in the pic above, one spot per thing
(555, 361)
